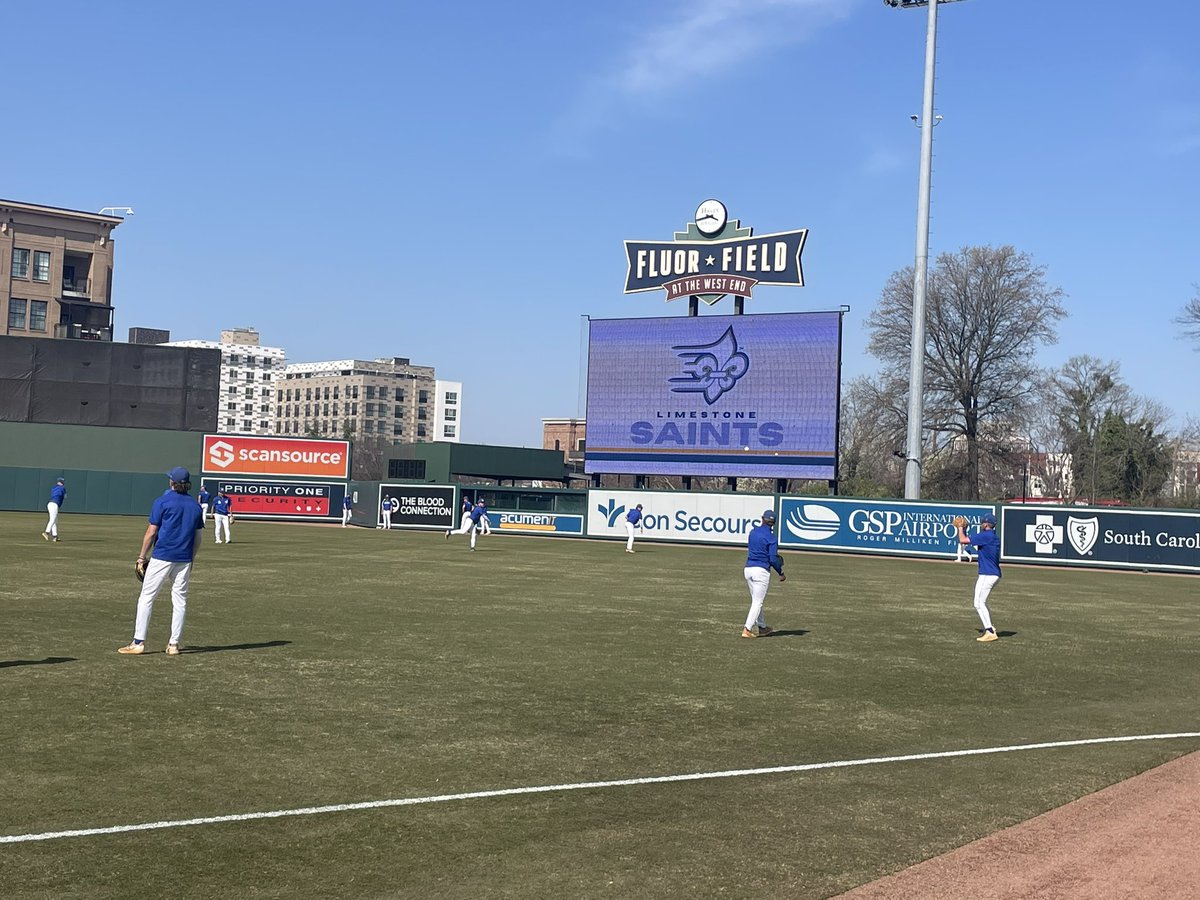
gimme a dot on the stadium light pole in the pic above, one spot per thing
(916, 376)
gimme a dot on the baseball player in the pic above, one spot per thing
(467, 506)
(485, 524)
(205, 500)
(347, 508)
(471, 523)
(762, 557)
(174, 531)
(58, 496)
(223, 514)
(987, 543)
(385, 510)
(632, 518)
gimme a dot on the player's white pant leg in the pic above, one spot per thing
(983, 587)
(52, 525)
(472, 530)
(179, 574)
(345, 517)
(221, 527)
(157, 571)
(485, 525)
(203, 512)
(629, 531)
(758, 580)
(465, 527)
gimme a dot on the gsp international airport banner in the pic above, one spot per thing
(1088, 536)
(874, 526)
(677, 516)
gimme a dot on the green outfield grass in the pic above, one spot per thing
(327, 666)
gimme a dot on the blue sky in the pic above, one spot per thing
(452, 182)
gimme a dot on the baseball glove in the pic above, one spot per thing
(960, 521)
(139, 569)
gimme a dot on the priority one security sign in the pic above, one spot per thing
(674, 516)
(1089, 536)
(280, 499)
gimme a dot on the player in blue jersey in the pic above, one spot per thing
(471, 525)
(987, 544)
(204, 498)
(761, 558)
(58, 496)
(174, 532)
(223, 516)
(347, 508)
(632, 519)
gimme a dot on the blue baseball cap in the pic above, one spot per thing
(769, 516)
(988, 519)
(62, 481)
(179, 474)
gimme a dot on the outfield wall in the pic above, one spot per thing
(115, 471)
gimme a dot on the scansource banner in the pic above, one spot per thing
(420, 505)
(752, 396)
(513, 522)
(232, 454)
(306, 501)
(874, 526)
(1091, 536)
(674, 516)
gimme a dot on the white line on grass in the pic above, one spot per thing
(581, 786)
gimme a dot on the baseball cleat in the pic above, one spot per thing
(447, 534)
(45, 535)
(747, 633)
(133, 648)
(987, 636)
(764, 630)
(172, 649)
(631, 551)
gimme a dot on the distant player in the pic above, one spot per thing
(204, 498)
(58, 496)
(347, 508)
(987, 543)
(223, 514)
(467, 506)
(471, 523)
(485, 523)
(632, 519)
(174, 531)
(385, 511)
(761, 558)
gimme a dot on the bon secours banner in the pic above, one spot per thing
(874, 526)
(674, 516)
(1087, 536)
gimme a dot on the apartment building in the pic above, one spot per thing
(387, 397)
(566, 435)
(56, 272)
(249, 376)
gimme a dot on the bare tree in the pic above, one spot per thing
(989, 309)
(872, 435)
(1189, 318)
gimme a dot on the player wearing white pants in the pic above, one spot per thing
(762, 556)
(470, 525)
(987, 543)
(347, 508)
(385, 510)
(174, 531)
(58, 496)
(223, 516)
(632, 520)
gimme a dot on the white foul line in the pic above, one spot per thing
(581, 786)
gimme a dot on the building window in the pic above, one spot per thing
(420, 431)
(370, 392)
(354, 409)
(335, 392)
(354, 392)
(448, 431)
(308, 393)
(37, 315)
(422, 396)
(20, 263)
(399, 395)
(557, 445)
(398, 429)
(383, 409)
(451, 398)
(370, 409)
(16, 314)
(368, 426)
(41, 265)
(229, 423)
(451, 415)
(421, 414)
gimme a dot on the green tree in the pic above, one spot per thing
(1134, 461)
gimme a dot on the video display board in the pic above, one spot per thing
(750, 396)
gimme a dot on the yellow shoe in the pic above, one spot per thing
(746, 632)
(132, 648)
(987, 637)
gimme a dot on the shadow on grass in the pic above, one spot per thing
(49, 660)
(785, 632)
(262, 646)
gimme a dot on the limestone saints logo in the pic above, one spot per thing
(1083, 533)
(710, 369)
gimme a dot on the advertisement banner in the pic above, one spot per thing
(676, 516)
(874, 526)
(233, 454)
(535, 522)
(1091, 536)
(419, 505)
(280, 499)
(753, 396)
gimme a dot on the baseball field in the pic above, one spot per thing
(363, 714)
